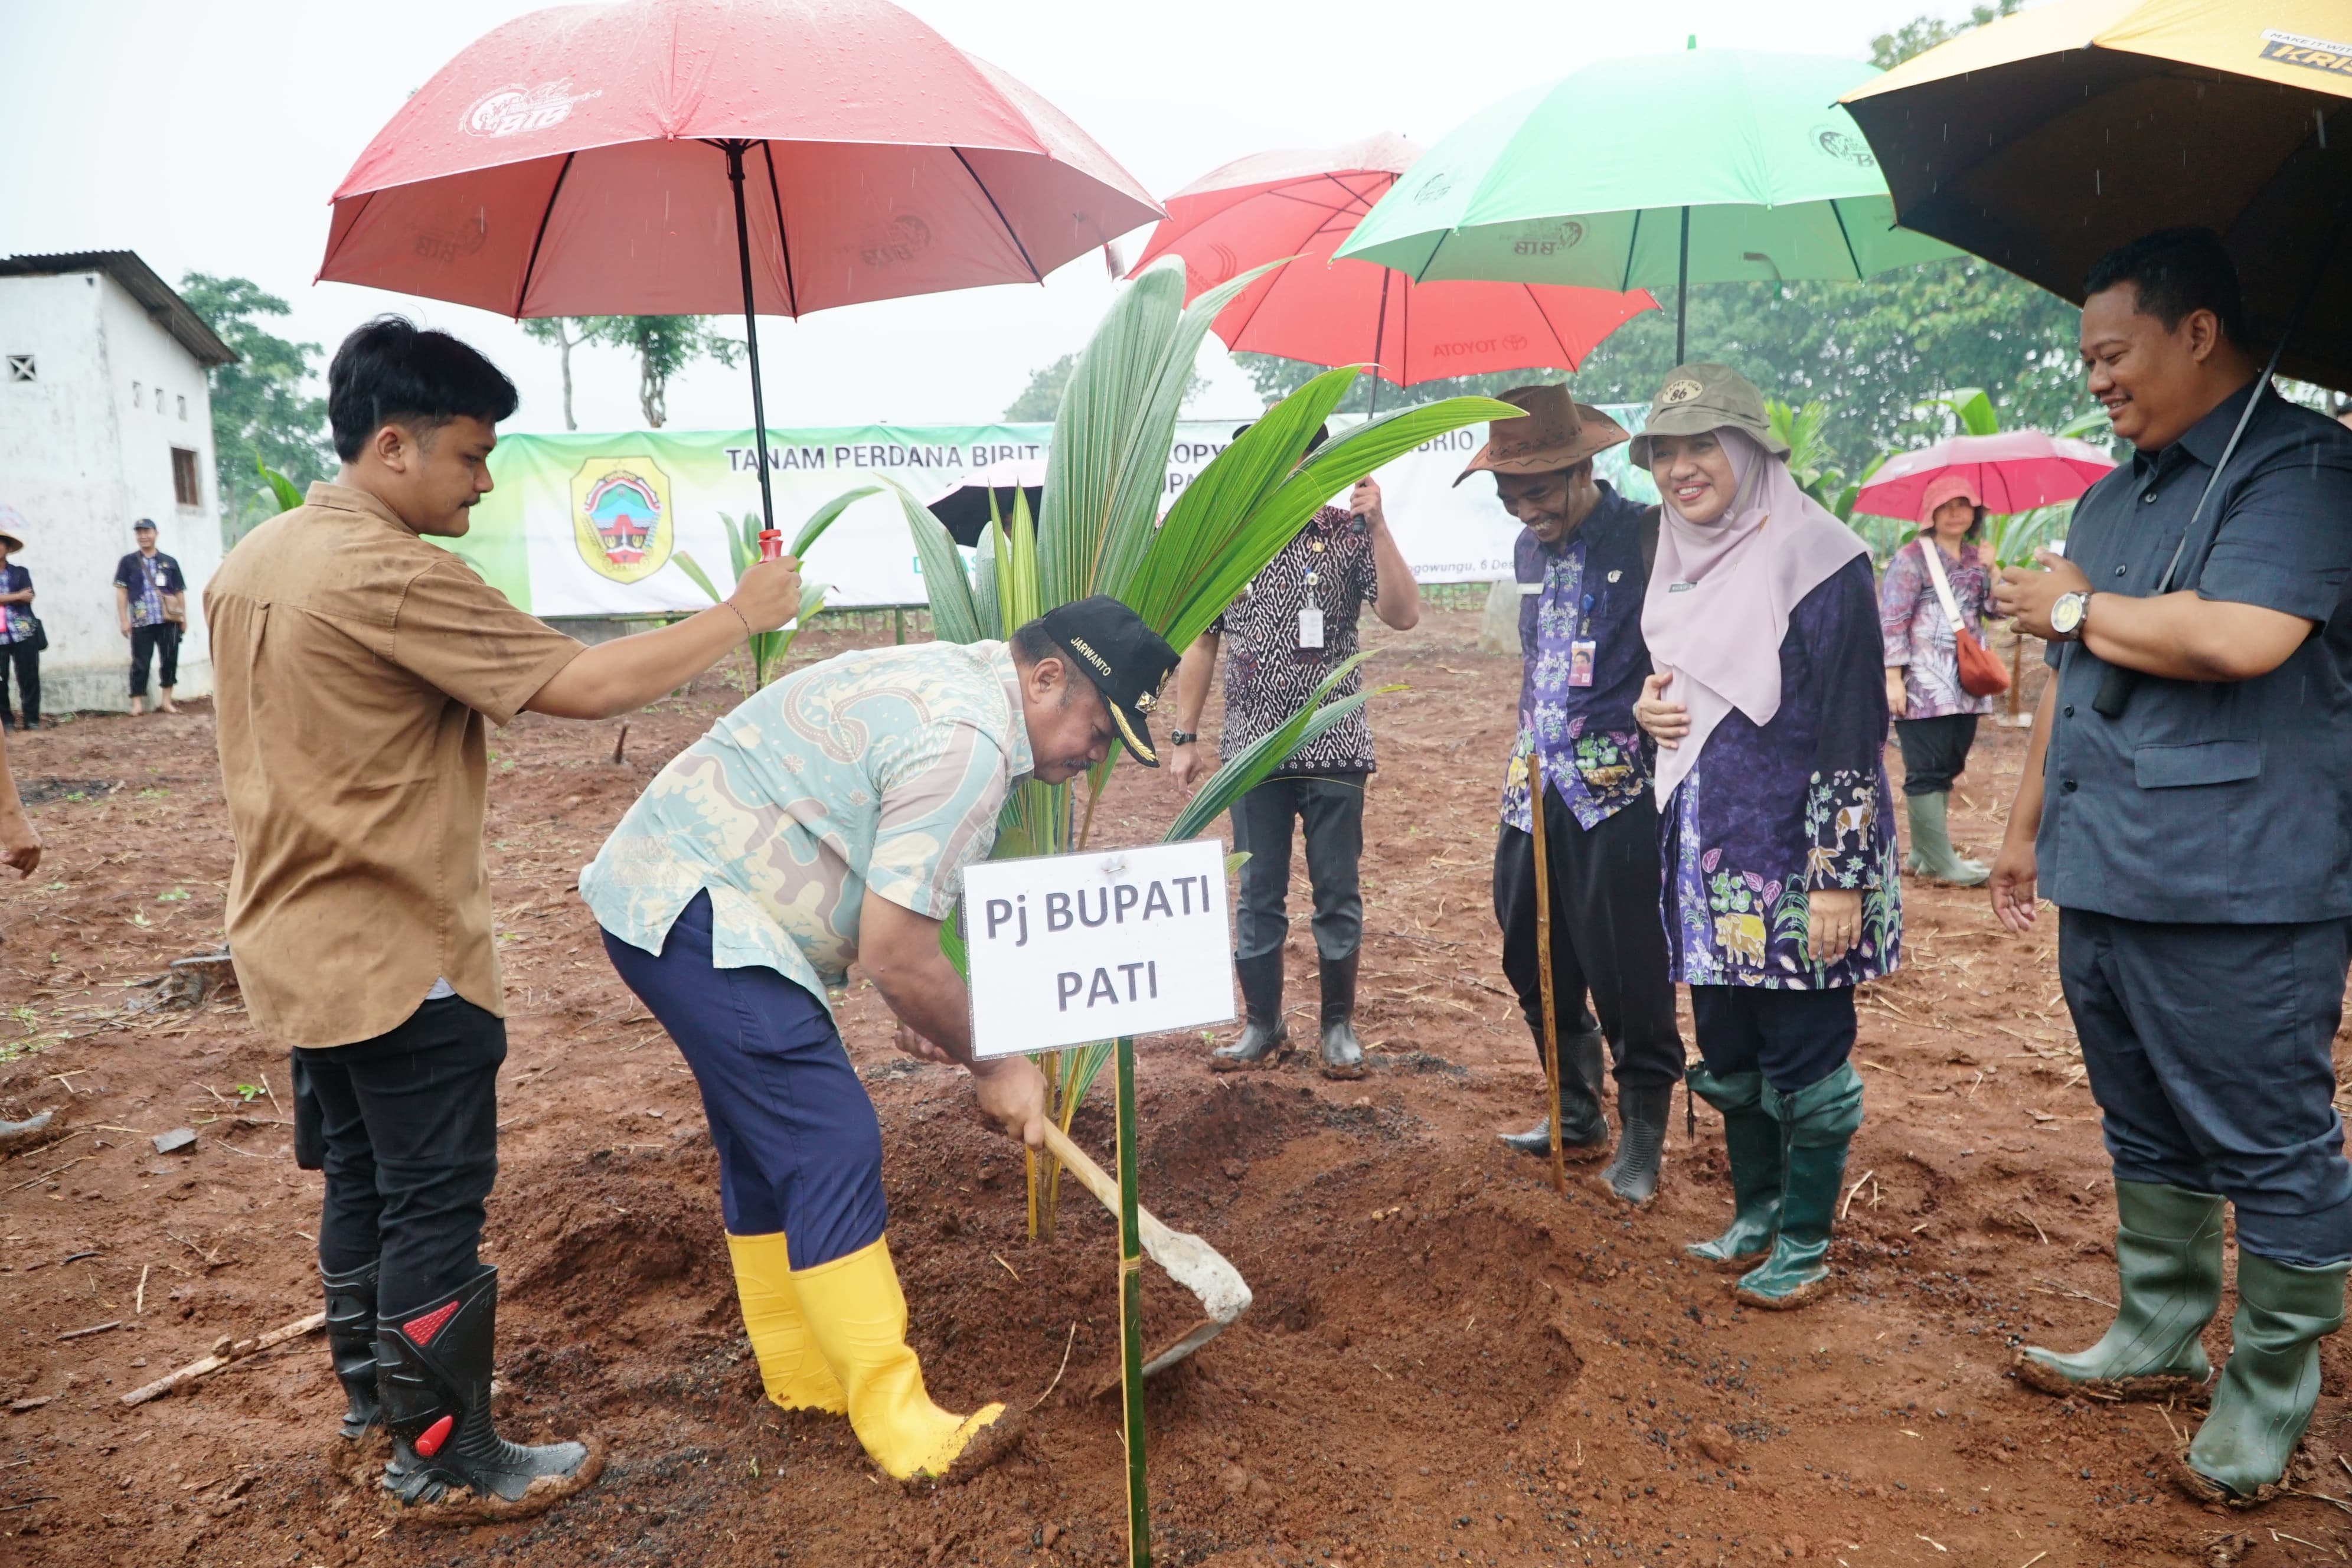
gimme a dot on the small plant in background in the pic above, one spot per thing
(1098, 531)
(766, 649)
(249, 1092)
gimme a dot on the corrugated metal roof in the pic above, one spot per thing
(156, 297)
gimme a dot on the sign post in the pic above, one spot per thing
(1066, 950)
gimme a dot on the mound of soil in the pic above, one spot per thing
(1445, 1362)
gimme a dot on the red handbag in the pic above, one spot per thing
(1980, 673)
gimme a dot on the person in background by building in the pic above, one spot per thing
(2184, 805)
(357, 668)
(1292, 626)
(826, 821)
(1934, 717)
(20, 850)
(151, 605)
(1582, 560)
(1782, 891)
(20, 638)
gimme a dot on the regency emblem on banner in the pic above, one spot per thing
(621, 517)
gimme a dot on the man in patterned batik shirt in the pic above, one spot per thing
(826, 821)
(1291, 627)
(1583, 563)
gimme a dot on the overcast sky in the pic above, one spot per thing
(208, 137)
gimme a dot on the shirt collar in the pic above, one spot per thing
(2205, 439)
(1016, 750)
(333, 496)
(1559, 546)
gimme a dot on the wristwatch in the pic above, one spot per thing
(1181, 737)
(2068, 613)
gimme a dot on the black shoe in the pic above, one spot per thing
(1536, 1141)
(436, 1377)
(350, 1342)
(1343, 1055)
(1264, 1034)
(1641, 1114)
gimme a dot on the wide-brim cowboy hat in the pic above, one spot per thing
(1558, 433)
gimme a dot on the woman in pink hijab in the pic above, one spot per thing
(1935, 717)
(1782, 892)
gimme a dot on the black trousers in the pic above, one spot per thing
(148, 644)
(1331, 808)
(410, 1122)
(2208, 1048)
(25, 660)
(1795, 1039)
(1608, 939)
(1935, 751)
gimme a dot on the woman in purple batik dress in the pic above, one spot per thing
(1934, 715)
(1782, 889)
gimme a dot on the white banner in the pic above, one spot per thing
(591, 525)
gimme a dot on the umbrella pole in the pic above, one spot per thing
(1379, 336)
(752, 332)
(1682, 282)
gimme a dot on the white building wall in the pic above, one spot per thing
(84, 449)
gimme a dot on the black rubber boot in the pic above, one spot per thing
(1264, 1034)
(436, 1379)
(1343, 1055)
(1584, 1131)
(350, 1342)
(1642, 1113)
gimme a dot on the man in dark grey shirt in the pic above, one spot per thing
(2188, 806)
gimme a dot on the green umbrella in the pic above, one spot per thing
(1719, 165)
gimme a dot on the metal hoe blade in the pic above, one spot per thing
(1193, 1263)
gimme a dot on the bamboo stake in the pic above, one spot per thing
(1543, 958)
(207, 1365)
(1130, 1314)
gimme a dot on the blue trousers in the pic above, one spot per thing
(2208, 1050)
(1795, 1039)
(800, 1150)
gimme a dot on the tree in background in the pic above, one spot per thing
(664, 346)
(566, 333)
(262, 414)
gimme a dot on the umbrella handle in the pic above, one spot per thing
(771, 544)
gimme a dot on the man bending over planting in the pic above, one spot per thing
(356, 670)
(828, 820)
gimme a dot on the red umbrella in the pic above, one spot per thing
(2015, 470)
(1304, 203)
(694, 157)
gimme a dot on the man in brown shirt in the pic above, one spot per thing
(356, 670)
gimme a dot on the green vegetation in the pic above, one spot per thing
(263, 419)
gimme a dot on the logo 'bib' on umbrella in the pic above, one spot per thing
(621, 517)
(512, 110)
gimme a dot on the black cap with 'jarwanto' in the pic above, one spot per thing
(1127, 660)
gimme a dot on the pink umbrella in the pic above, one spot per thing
(1304, 203)
(692, 157)
(2015, 470)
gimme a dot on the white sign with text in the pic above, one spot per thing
(1070, 949)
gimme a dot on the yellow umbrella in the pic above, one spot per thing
(2046, 139)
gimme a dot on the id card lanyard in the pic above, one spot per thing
(1310, 614)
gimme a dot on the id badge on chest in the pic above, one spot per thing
(1310, 627)
(1580, 661)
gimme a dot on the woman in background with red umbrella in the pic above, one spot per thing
(1934, 715)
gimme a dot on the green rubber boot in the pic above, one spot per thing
(1932, 855)
(2168, 1269)
(2270, 1382)
(1817, 1123)
(1752, 1140)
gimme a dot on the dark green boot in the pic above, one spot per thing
(1752, 1140)
(2270, 1382)
(1932, 855)
(2168, 1269)
(1817, 1123)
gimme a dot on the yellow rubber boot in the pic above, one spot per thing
(792, 1369)
(857, 1317)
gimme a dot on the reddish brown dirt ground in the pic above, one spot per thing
(1445, 1362)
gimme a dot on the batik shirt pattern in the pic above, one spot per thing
(1585, 588)
(1268, 677)
(880, 769)
(1770, 815)
(1918, 635)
